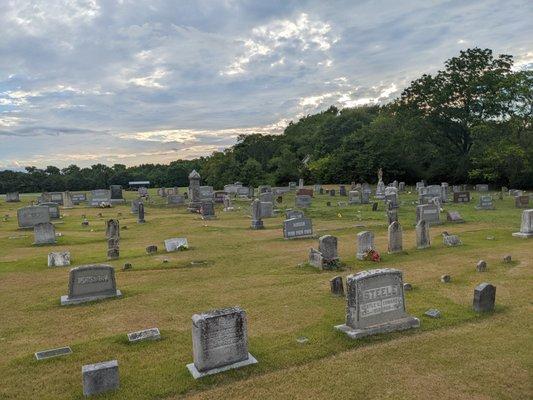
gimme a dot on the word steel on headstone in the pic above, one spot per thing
(484, 297)
(99, 378)
(526, 226)
(89, 283)
(376, 304)
(219, 342)
(30, 216)
(297, 228)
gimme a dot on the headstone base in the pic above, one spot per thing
(398, 325)
(200, 374)
(65, 301)
(523, 235)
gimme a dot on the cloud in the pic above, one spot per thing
(90, 81)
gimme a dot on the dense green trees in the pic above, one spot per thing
(470, 122)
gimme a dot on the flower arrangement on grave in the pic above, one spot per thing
(372, 255)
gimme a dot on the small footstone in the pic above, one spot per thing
(336, 286)
(302, 340)
(481, 266)
(407, 286)
(484, 297)
(127, 266)
(507, 258)
(445, 278)
(85, 222)
(151, 249)
(433, 313)
(100, 378)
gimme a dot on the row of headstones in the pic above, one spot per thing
(375, 304)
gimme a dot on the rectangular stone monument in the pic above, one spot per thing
(266, 197)
(376, 304)
(12, 197)
(484, 297)
(53, 209)
(219, 196)
(302, 201)
(207, 210)
(59, 259)
(146, 334)
(326, 257)
(51, 353)
(395, 234)
(219, 342)
(297, 228)
(175, 199)
(135, 205)
(289, 214)
(526, 226)
(365, 243)
(89, 283)
(454, 216)
(44, 233)
(342, 190)
(482, 188)
(267, 209)
(30, 216)
(461, 197)
(99, 378)
(176, 244)
(354, 197)
(206, 193)
(305, 192)
(521, 201)
(78, 198)
(485, 203)
(100, 196)
(116, 194)
(429, 212)
(55, 197)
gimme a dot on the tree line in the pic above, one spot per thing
(470, 122)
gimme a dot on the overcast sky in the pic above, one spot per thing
(132, 81)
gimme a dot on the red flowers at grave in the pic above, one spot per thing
(372, 255)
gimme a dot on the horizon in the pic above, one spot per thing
(86, 83)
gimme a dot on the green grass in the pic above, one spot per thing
(229, 264)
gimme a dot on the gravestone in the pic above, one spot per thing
(28, 217)
(219, 342)
(78, 198)
(140, 215)
(485, 203)
(461, 197)
(228, 206)
(266, 197)
(380, 190)
(365, 243)
(55, 197)
(44, 233)
(365, 197)
(484, 297)
(207, 210)
(376, 304)
(264, 189)
(100, 196)
(161, 192)
(292, 186)
(375, 206)
(395, 237)
(267, 209)
(135, 206)
(392, 216)
(67, 200)
(317, 188)
(60, 351)
(12, 197)
(294, 214)
(401, 186)
(113, 239)
(116, 194)
(429, 212)
(521, 201)
(423, 239)
(392, 200)
(142, 191)
(145, 334)
(195, 201)
(305, 192)
(100, 378)
(89, 283)
(326, 257)
(297, 228)
(454, 216)
(175, 200)
(444, 189)
(206, 194)
(342, 190)
(302, 201)
(526, 225)
(451, 240)
(257, 222)
(53, 209)
(481, 266)
(336, 286)
(59, 259)
(176, 244)
(482, 188)
(354, 197)
(332, 192)
(300, 183)
(152, 249)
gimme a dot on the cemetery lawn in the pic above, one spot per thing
(462, 355)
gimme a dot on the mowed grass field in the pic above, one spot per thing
(462, 355)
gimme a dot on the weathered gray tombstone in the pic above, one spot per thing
(207, 210)
(266, 197)
(257, 222)
(228, 206)
(485, 203)
(142, 191)
(50, 353)
(336, 286)
(145, 334)
(484, 297)
(401, 186)
(423, 239)
(67, 200)
(300, 183)
(100, 377)
(317, 188)
(461, 197)
(289, 214)
(152, 249)
(342, 190)
(207, 194)
(481, 266)
(429, 212)
(113, 239)
(78, 198)
(140, 216)
(354, 197)
(376, 304)
(116, 194)
(392, 215)
(326, 257)
(44, 233)
(219, 342)
(195, 201)
(12, 197)
(292, 186)
(526, 225)
(482, 187)
(59, 259)
(176, 244)
(444, 190)
(365, 243)
(375, 206)
(454, 216)
(175, 199)
(267, 209)
(395, 237)
(297, 228)
(100, 196)
(332, 192)
(451, 240)
(28, 217)
(89, 283)
(135, 206)
(53, 209)
(303, 201)
(521, 201)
